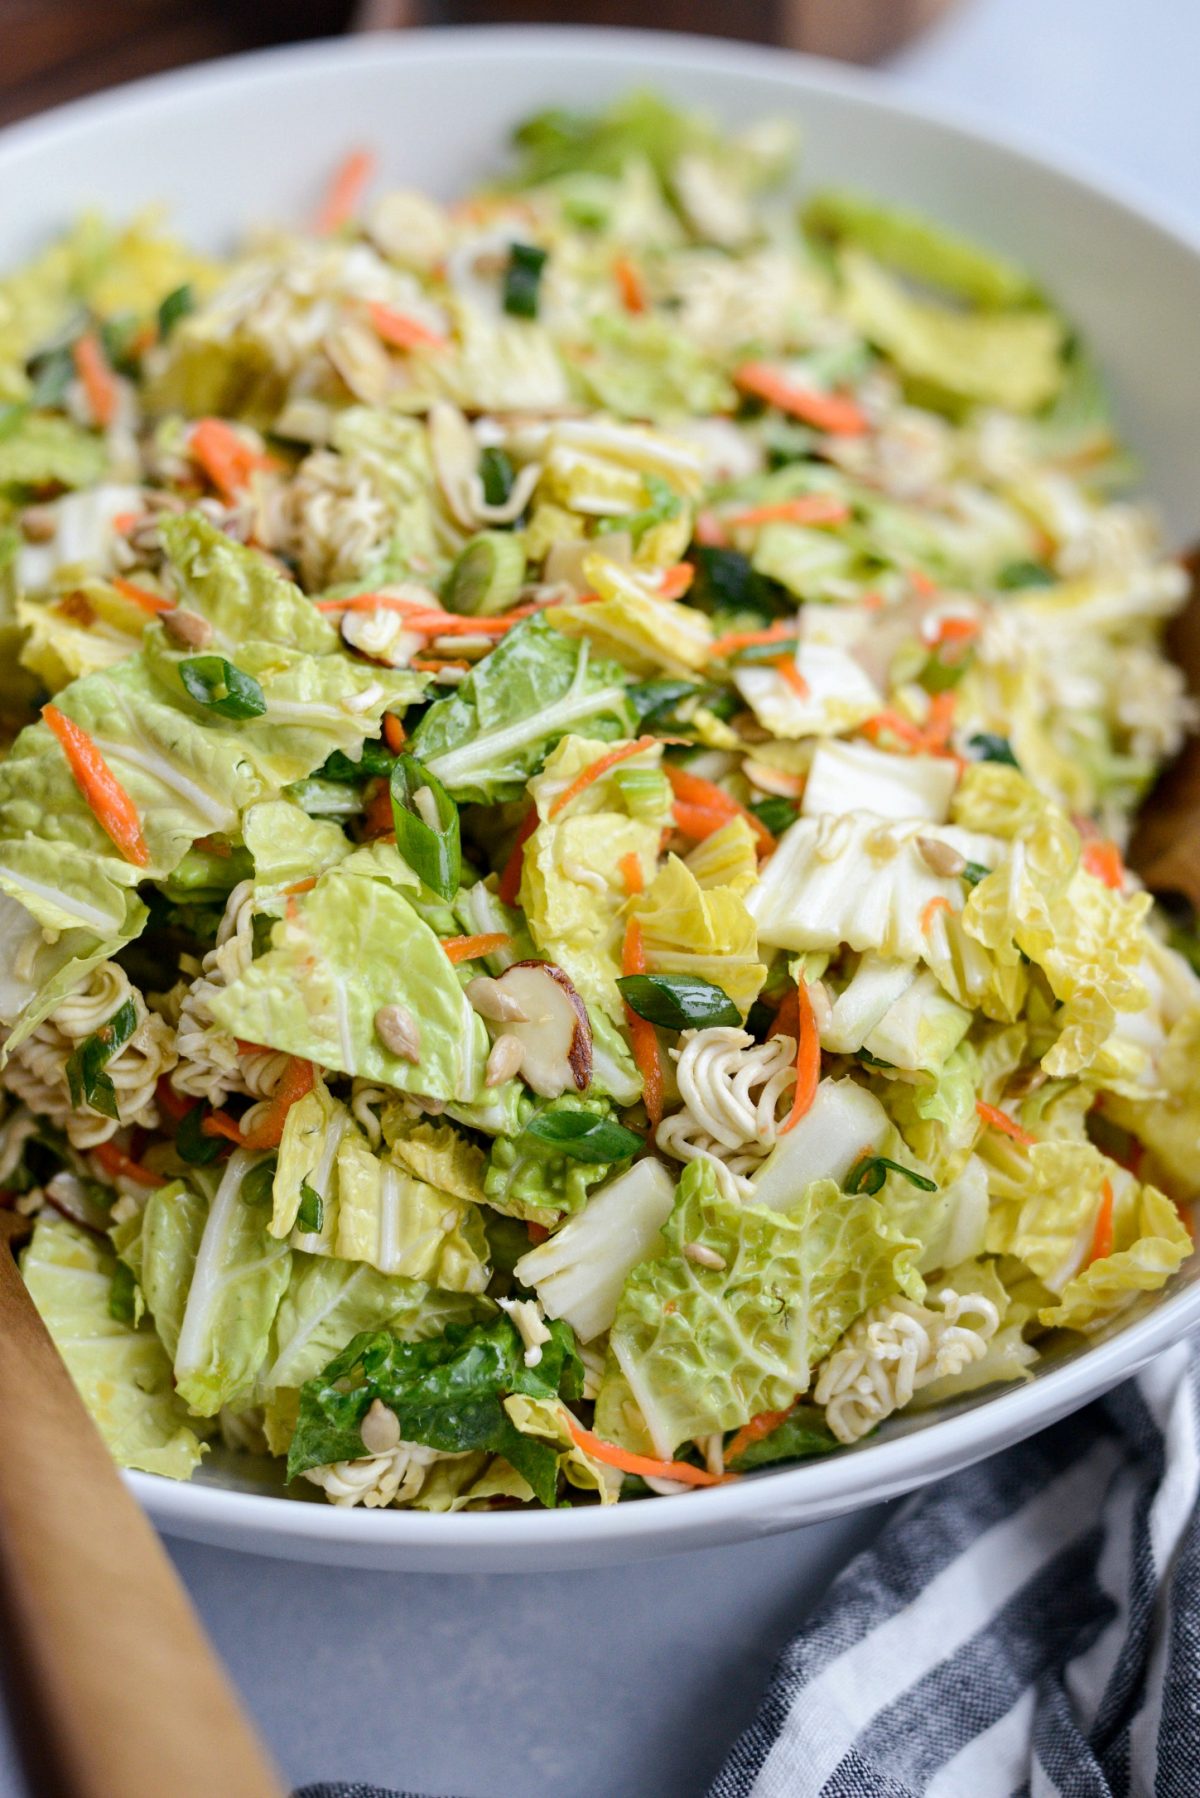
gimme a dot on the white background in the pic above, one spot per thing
(631, 1682)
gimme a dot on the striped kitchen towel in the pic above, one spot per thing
(1028, 1627)
(1031, 1626)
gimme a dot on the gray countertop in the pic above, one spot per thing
(634, 1680)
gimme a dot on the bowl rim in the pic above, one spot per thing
(789, 1495)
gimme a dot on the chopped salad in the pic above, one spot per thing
(563, 926)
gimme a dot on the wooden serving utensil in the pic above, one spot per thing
(1165, 848)
(113, 1689)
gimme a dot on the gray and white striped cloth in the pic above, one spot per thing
(1028, 1627)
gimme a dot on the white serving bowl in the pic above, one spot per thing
(252, 140)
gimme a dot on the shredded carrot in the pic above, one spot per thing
(536, 1232)
(710, 531)
(674, 581)
(378, 817)
(214, 846)
(809, 508)
(114, 810)
(871, 602)
(996, 1119)
(733, 640)
(345, 192)
(267, 1132)
(754, 1431)
(219, 1123)
(123, 522)
(510, 878)
(595, 770)
(394, 734)
(921, 584)
(403, 332)
(1102, 1235)
(1103, 860)
(97, 379)
(889, 722)
(173, 1103)
(115, 1161)
(695, 792)
(641, 1030)
(471, 948)
(144, 597)
(436, 664)
(225, 458)
(830, 412)
(299, 886)
(786, 667)
(955, 630)
(698, 821)
(940, 722)
(452, 624)
(808, 1060)
(628, 1462)
(630, 285)
(631, 872)
(930, 912)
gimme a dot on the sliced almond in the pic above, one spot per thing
(554, 1031)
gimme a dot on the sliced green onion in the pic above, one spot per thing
(259, 1184)
(488, 575)
(1015, 575)
(974, 872)
(122, 1294)
(989, 747)
(52, 373)
(311, 1215)
(86, 1079)
(584, 1136)
(375, 759)
(221, 687)
(775, 813)
(191, 1144)
(177, 304)
(654, 700)
(427, 829)
(869, 1174)
(678, 1001)
(523, 279)
(496, 475)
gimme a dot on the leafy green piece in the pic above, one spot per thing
(213, 1277)
(802, 1433)
(776, 813)
(191, 1143)
(497, 728)
(532, 1174)
(47, 450)
(583, 1136)
(86, 1079)
(869, 1175)
(989, 747)
(221, 686)
(496, 475)
(349, 947)
(727, 581)
(123, 1374)
(376, 758)
(432, 851)
(447, 1392)
(238, 591)
(558, 142)
(678, 1001)
(523, 279)
(174, 306)
(1014, 576)
(654, 701)
(912, 244)
(695, 1349)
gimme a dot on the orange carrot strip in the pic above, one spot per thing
(394, 734)
(940, 722)
(786, 667)
(754, 1431)
(123, 522)
(471, 948)
(628, 1462)
(829, 412)
(773, 633)
(930, 912)
(808, 1060)
(298, 886)
(219, 1123)
(345, 192)
(435, 664)
(595, 770)
(1103, 860)
(453, 624)
(808, 508)
(710, 531)
(173, 1103)
(114, 810)
(698, 821)
(115, 1161)
(630, 285)
(142, 596)
(1102, 1235)
(675, 580)
(403, 332)
(225, 458)
(631, 872)
(378, 812)
(921, 584)
(889, 721)
(536, 1232)
(97, 378)
(510, 879)
(214, 846)
(297, 1081)
(996, 1119)
(955, 630)
(641, 1030)
(692, 790)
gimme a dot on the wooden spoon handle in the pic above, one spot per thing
(113, 1688)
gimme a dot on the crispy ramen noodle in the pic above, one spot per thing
(894, 1350)
(731, 1089)
(37, 1068)
(392, 1478)
(210, 1063)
